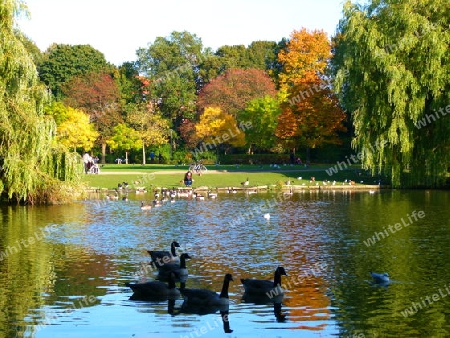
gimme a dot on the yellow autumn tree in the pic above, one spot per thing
(216, 128)
(74, 129)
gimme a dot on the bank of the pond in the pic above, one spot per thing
(224, 180)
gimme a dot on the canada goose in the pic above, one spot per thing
(245, 183)
(196, 299)
(231, 190)
(184, 193)
(145, 206)
(141, 190)
(212, 194)
(261, 287)
(155, 289)
(380, 278)
(198, 196)
(179, 268)
(157, 203)
(160, 258)
(112, 197)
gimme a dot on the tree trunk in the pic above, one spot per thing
(126, 157)
(103, 161)
(143, 153)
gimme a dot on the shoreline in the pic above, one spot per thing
(255, 189)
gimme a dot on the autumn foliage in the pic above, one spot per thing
(92, 92)
(217, 127)
(312, 122)
(305, 58)
(311, 115)
(233, 90)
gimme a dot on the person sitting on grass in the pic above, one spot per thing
(188, 179)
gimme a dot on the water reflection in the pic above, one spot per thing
(75, 275)
(276, 302)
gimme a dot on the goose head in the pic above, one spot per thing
(183, 258)
(277, 276)
(174, 245)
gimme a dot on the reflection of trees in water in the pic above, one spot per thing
(41, 272)
(192, 309)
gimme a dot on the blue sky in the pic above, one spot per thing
(119, 28)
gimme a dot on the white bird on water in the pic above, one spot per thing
(267, 216)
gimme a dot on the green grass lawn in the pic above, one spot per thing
(154, 175)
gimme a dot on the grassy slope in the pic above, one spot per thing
(219, 176)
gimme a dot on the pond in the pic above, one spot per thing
(63, 268)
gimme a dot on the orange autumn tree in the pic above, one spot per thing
(311, 116)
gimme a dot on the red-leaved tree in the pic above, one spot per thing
(234, 89)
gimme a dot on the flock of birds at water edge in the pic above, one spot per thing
(171, 269)
(163, 195)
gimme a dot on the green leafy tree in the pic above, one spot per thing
(33, 167)
(62, 62)
(261, 114)
(31, 48)
(234, 57)
(125, 139)
(258, 55)
(392, 61)
(152, 128)
(262, 54)
(130, 83)
(210, 67)
(171, 64)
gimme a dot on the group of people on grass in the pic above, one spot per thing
(90, 164)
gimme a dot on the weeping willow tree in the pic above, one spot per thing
(33, 168)
(392, 67)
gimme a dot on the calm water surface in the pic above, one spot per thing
(63, 269)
